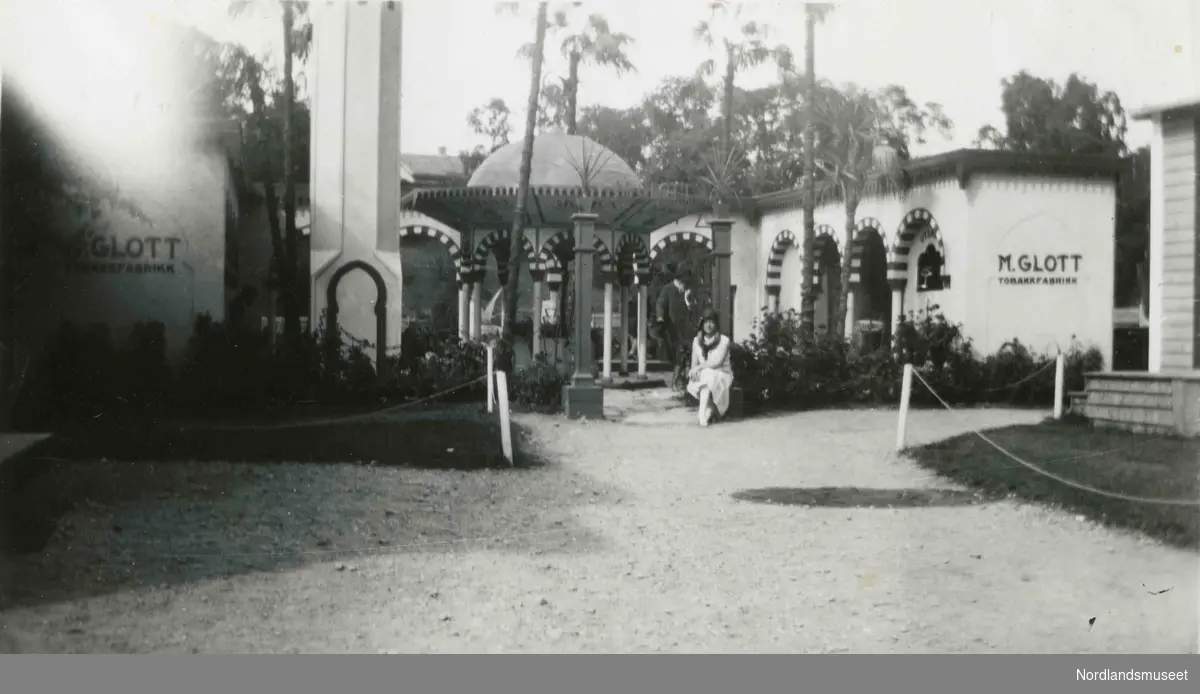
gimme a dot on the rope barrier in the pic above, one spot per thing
(328, 420)
(1059, 478)
(383, 548)
(1028, 378)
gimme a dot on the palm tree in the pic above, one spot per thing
(518, 232)
(285, 250)
(246, 77)
(741, 48)
(856, 159)
(595, 43)
(813, 13)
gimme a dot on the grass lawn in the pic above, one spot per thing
(127, 462)
(1114, 461)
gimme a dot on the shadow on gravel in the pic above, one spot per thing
(93, 512)
(855, 497)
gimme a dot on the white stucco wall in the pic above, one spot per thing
(994, 215)
(169, 271)
(1039, 217)
(944, 200)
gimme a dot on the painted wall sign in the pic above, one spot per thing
(93, 253)
(1042, 269)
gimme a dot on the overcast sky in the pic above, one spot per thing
(459, 53)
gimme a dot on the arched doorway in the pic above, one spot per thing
(689, 255)
(869, 283)
(827, 277)
(430, 296)
(333, 334)
(492, 259)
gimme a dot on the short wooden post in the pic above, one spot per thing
(1059, 384)
(905, 396)
(505, 416)
(491, 378)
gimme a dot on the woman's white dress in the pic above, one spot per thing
(716, 373)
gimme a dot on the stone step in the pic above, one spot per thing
(652, 365)
(1131, 400)
(1135, 427)
(1132, 415)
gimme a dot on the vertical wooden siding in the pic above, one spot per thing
(1179, 278)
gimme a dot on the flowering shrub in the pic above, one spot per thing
(538, 386)
(780, 367)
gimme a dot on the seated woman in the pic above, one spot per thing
(711, 376)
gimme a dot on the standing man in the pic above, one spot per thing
(672, 323)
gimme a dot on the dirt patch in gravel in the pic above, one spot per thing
(857, 497)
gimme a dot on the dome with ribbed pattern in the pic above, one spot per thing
(558, 160)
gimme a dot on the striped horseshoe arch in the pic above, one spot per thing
(679, 237)
(914, 223)
(824, 238)
(862, 231)
(783, 241)
(418, 231)
(499, 238)
(633, 259)
(605, 264)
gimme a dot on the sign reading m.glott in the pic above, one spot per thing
(1048, 268)
(108, 253)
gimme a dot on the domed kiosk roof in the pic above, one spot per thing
(557, 190)
(559, 160)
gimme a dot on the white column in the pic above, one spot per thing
(464, 311)
(897, 309)
(354, 71)
(850, 313)
(642, 292)
(773, 303)
(536, 344)
(606, 372)
(476, 309)
(1158, 217)
(624, 330)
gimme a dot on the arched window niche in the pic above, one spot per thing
(931, 270)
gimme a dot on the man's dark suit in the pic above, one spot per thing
(674, 323)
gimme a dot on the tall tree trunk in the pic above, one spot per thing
(290, 265)
(516, 248)
(727, 105)
(259, 102)
(807, 299)
(7, 336)
(573, 93)
(844, 291)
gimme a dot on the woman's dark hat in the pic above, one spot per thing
(709, 314)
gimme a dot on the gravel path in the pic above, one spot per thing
(630, 542)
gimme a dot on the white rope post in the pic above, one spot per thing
(1059, 384)
(606, 351)
(505, 416)
(905, 396)
(491, 378)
